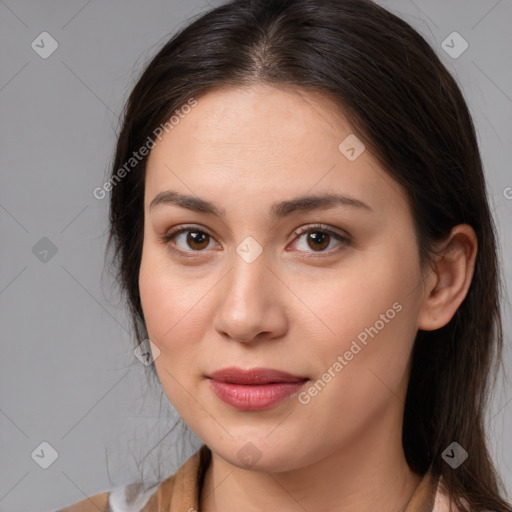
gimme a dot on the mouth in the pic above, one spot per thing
(254, 376)
(254, 389)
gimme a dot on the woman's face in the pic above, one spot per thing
(242, 289)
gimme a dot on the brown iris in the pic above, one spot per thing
(199, 238)
(319, 238)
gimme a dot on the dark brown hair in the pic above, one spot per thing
(410, 113)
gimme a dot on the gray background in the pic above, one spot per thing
(68, 375)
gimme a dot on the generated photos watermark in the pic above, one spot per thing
(143, 151)
(305, 397)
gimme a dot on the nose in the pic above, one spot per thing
(250, 302)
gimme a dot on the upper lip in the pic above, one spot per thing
(234, 375)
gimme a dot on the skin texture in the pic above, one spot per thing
(296, 307)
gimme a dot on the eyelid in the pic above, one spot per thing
(322, 227)
(177, 230)
(344, 238)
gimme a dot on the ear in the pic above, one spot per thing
(447, 283)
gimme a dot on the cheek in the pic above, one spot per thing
(356, 299)
(173, 325)
(164, 300)
(362, 369)
(176, 311)
(371, 313)
(158, 305)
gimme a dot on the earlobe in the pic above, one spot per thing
(449, 280)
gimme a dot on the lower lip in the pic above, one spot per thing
(254, 397)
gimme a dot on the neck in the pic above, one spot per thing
(363, 472)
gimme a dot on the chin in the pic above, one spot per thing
(256, 453)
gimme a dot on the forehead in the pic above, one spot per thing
(264, 141)
(257, 120)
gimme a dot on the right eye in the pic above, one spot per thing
(196, 239)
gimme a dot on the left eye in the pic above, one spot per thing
(317, 238)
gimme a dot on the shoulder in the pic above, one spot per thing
(128, 498)
(98, 502)
(443, 501)
(131, 498)
(176, 492)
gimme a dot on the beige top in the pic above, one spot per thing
(180, 493)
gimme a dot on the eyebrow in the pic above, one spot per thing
(278, 210)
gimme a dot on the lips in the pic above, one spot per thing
(254, 389)
(255, 376)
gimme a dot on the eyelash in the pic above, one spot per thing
(316, 228)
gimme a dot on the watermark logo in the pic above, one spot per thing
(454, 455)
(454, 45)
(249, 454)
(146, 352)
(44, 455)
(351, 147)
(44, 45)
(44, 250)
(249, 249)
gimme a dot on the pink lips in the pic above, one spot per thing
(254, 389)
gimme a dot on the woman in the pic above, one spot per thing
(301, 227)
